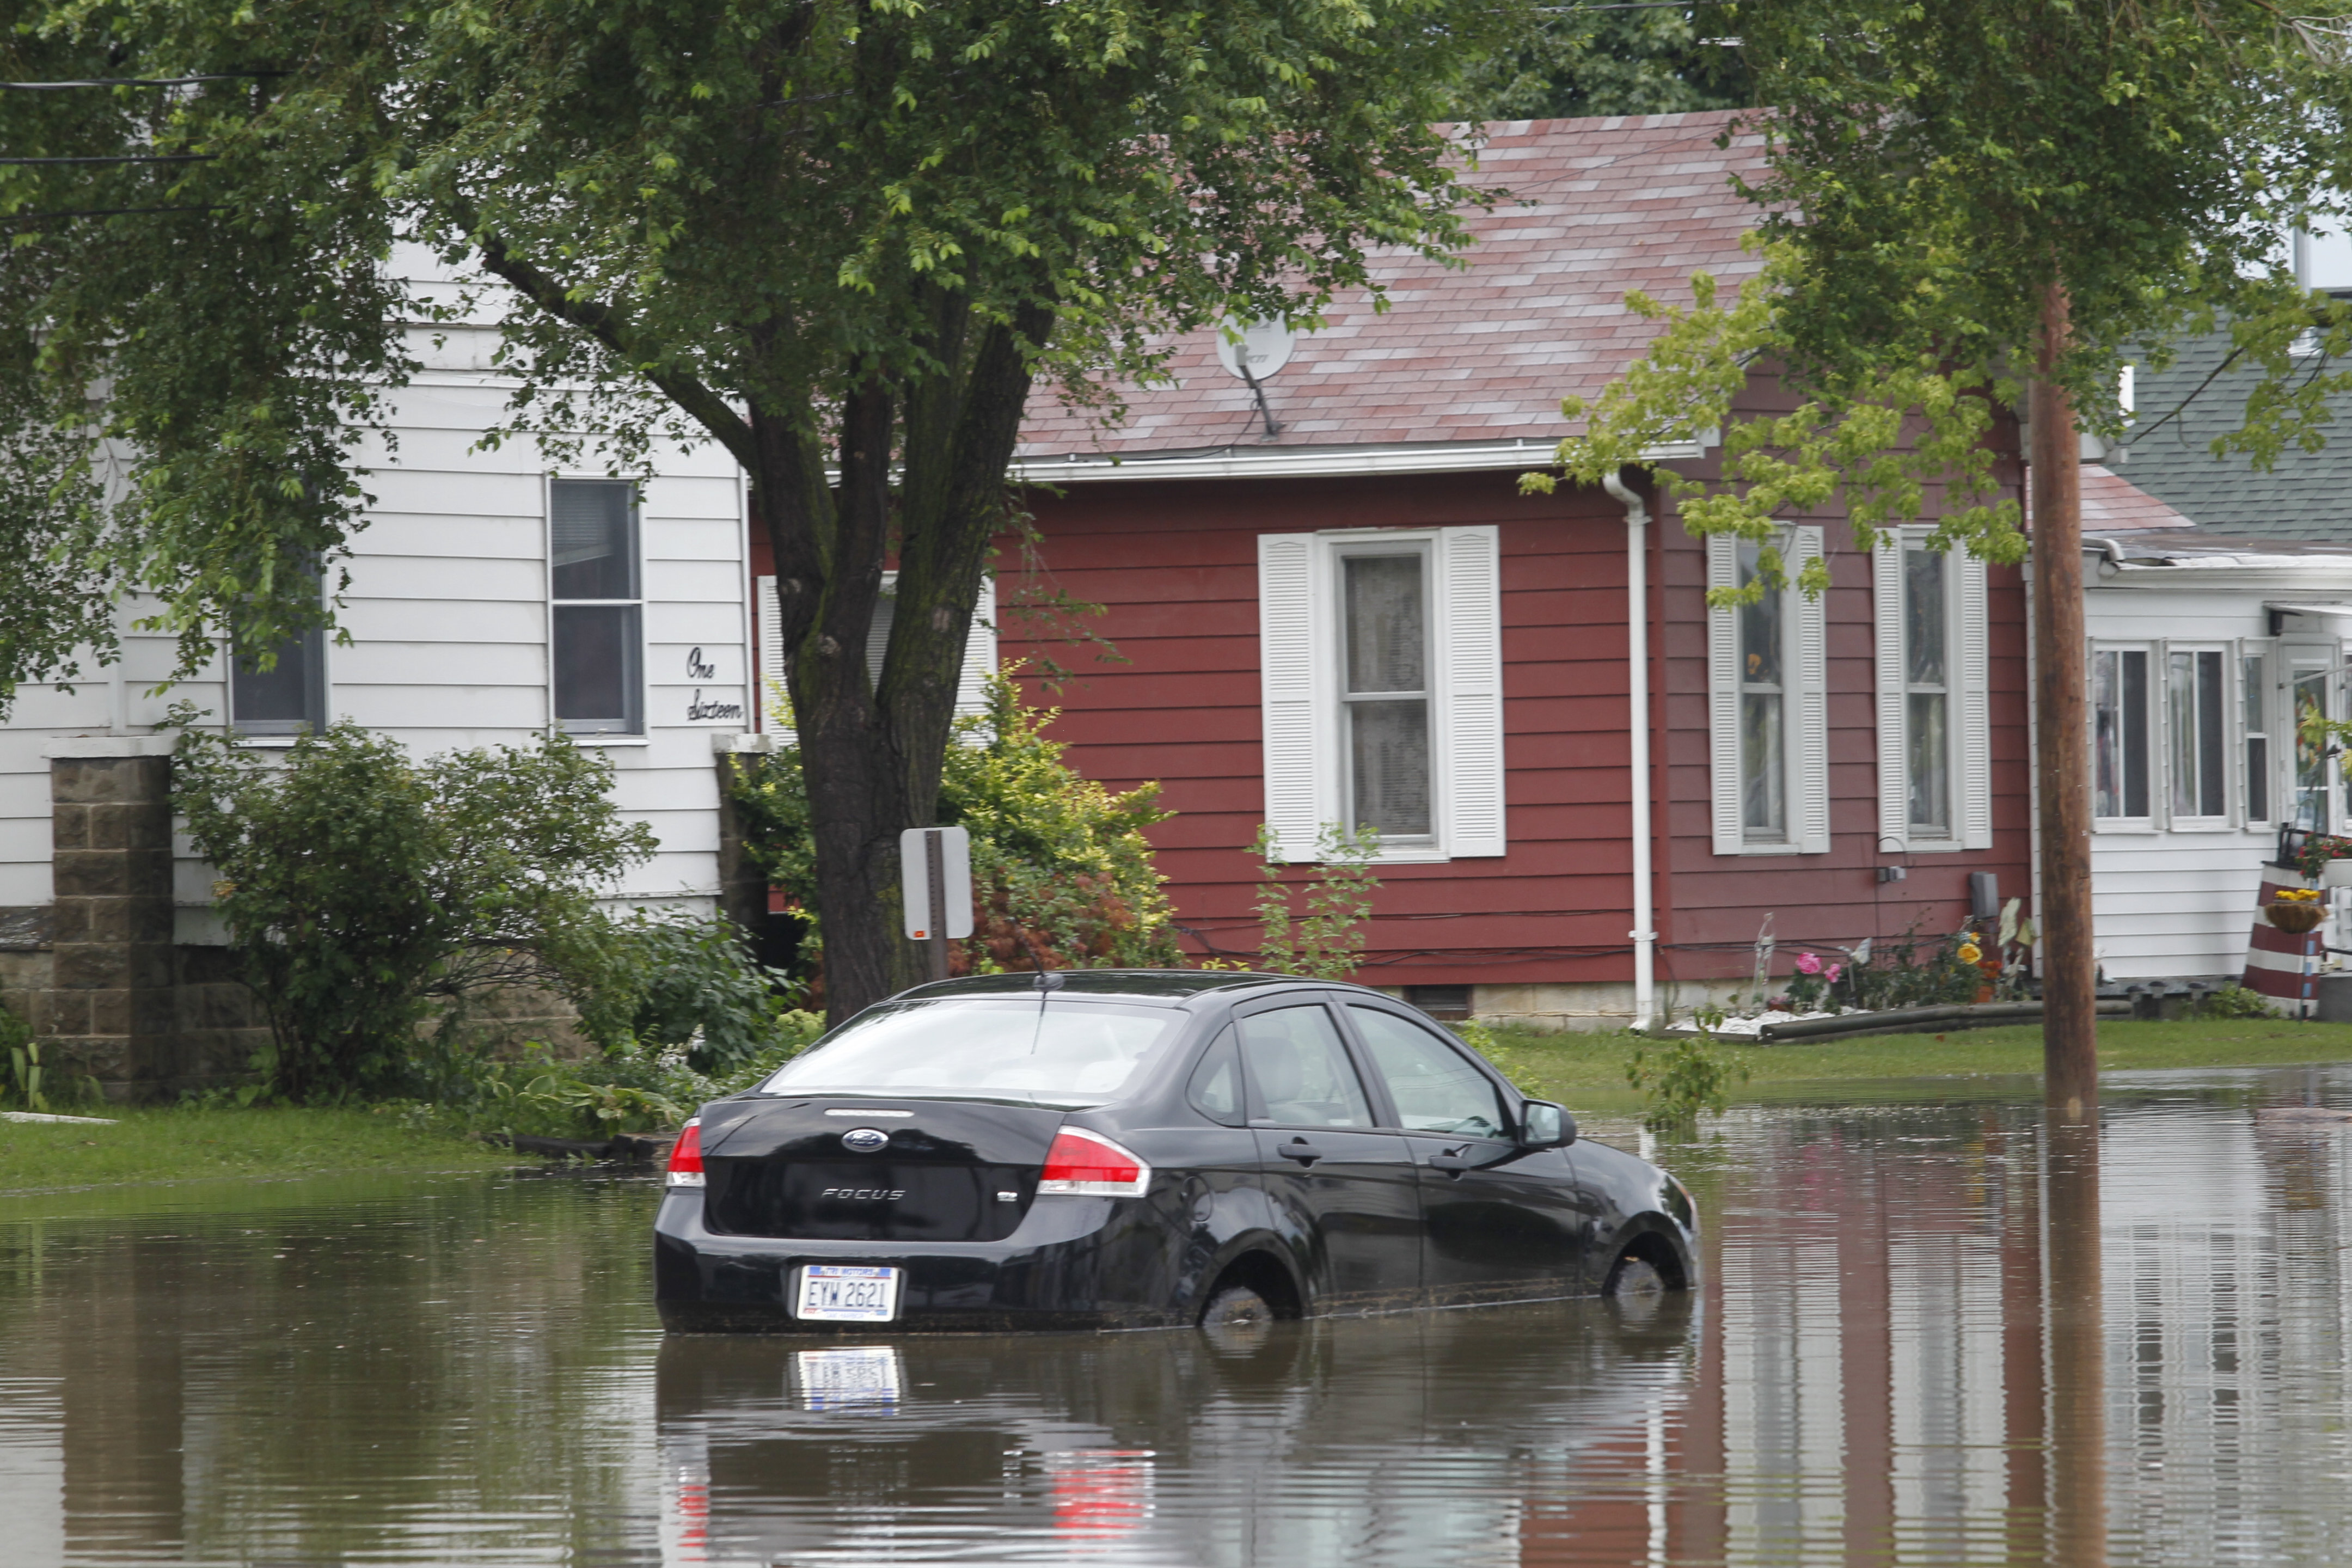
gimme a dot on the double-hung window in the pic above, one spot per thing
(1935, 748)
(1382, 700)
(978, 648)
(596, 617)
(2196, 745)
(1766, 685)
(2119, 734)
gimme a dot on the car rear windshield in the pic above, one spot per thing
(1065, 1054)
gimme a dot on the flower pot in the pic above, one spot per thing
(2296, 919)
(2335, 874)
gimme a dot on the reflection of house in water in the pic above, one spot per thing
(1876, 1376)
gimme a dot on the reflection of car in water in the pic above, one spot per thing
(1409, 1438)
(1142, 1148)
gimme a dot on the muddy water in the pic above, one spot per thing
(1932, 1332)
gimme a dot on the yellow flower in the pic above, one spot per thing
(2297, 896)
(1970, 952)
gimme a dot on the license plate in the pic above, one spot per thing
(862, 1374)
(839, 1293)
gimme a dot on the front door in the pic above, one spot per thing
(1346, 1187)
(1499, 1222)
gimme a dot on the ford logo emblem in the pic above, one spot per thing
(865, 1139)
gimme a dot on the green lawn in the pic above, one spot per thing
(1578, 1065)
(148, 1145)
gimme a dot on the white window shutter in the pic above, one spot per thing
(1723, 698)
(1471, 580)
(1886, 612)
(978, 653)
(769, 635)
(1288, 691)
(1809, 716)
(1975, 716)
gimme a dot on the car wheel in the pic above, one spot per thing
(1236, 1307)
(1635, 1279)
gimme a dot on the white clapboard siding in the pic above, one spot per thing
(1471, 754)
(1289, 709)
(1809, 754)
(1723, 700)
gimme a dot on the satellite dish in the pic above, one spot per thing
(1265, 347)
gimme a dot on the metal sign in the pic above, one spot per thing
(935, 885)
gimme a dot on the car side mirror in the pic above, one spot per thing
(1543, 1125)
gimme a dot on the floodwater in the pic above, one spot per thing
(1932, 1332)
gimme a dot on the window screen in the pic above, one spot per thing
(2196, 719)
(1763, 709)
(1927, 699)
(289, 697)
(2120, 732)
(1385, 693)
(2254, 678)
(597, 617)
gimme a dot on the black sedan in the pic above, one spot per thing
(1135, 1148)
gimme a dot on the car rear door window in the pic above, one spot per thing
(1300, 1074)
(1215, 1090)
(1434, 1089)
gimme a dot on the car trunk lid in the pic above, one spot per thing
(871, 1169)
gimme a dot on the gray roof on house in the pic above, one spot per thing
(2308, 496)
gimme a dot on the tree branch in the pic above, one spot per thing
(599, 321)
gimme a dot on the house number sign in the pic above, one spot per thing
(699, 711)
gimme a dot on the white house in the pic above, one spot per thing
(2204, 650)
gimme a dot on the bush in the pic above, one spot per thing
(668, 980)
(1326, 940)
(362, 889)
(2235, 1001)
(1062, 873)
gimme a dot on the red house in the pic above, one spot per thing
(1591, 790)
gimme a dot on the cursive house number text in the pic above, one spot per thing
(696, 669)
(700, 710)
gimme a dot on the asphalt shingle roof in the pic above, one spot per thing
(2308, 496)
(1484, 353)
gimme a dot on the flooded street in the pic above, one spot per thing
(1930, 1333)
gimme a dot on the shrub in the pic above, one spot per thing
(1911, 971)
(1063, 875)
(668, 980)
(362, 890)
(1691, 1074)
(2234, 1001)
(1324, 942)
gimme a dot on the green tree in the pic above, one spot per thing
(1062, 875)
(840, 238)
(363, 889)
(1969, 202)
(1572, 61)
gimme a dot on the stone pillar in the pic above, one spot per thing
(111, 1009)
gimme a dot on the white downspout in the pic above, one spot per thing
(1637, 742)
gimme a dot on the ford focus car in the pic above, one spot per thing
(1137, 1147)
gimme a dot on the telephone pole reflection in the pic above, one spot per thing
(2074, 1347)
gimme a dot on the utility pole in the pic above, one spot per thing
(2070, 1046)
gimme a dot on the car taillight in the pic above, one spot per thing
(1091, 1165)
(685, 1158)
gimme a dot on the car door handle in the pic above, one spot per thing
(1450, 1162)
(1301, 1150)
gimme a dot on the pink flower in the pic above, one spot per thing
(1809, 964)
(1834, 971)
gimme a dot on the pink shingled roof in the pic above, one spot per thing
(1486, 353)
(2111, 504)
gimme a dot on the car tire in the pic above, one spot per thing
(1635, 1279)
(1236, 1307)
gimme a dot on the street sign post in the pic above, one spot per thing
(935, 886)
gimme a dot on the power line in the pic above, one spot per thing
(104, 212)
(124, 158)
(137, 81)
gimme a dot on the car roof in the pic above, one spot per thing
(1168, 987)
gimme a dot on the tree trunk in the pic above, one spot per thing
(2062, 734)
(871, 752)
